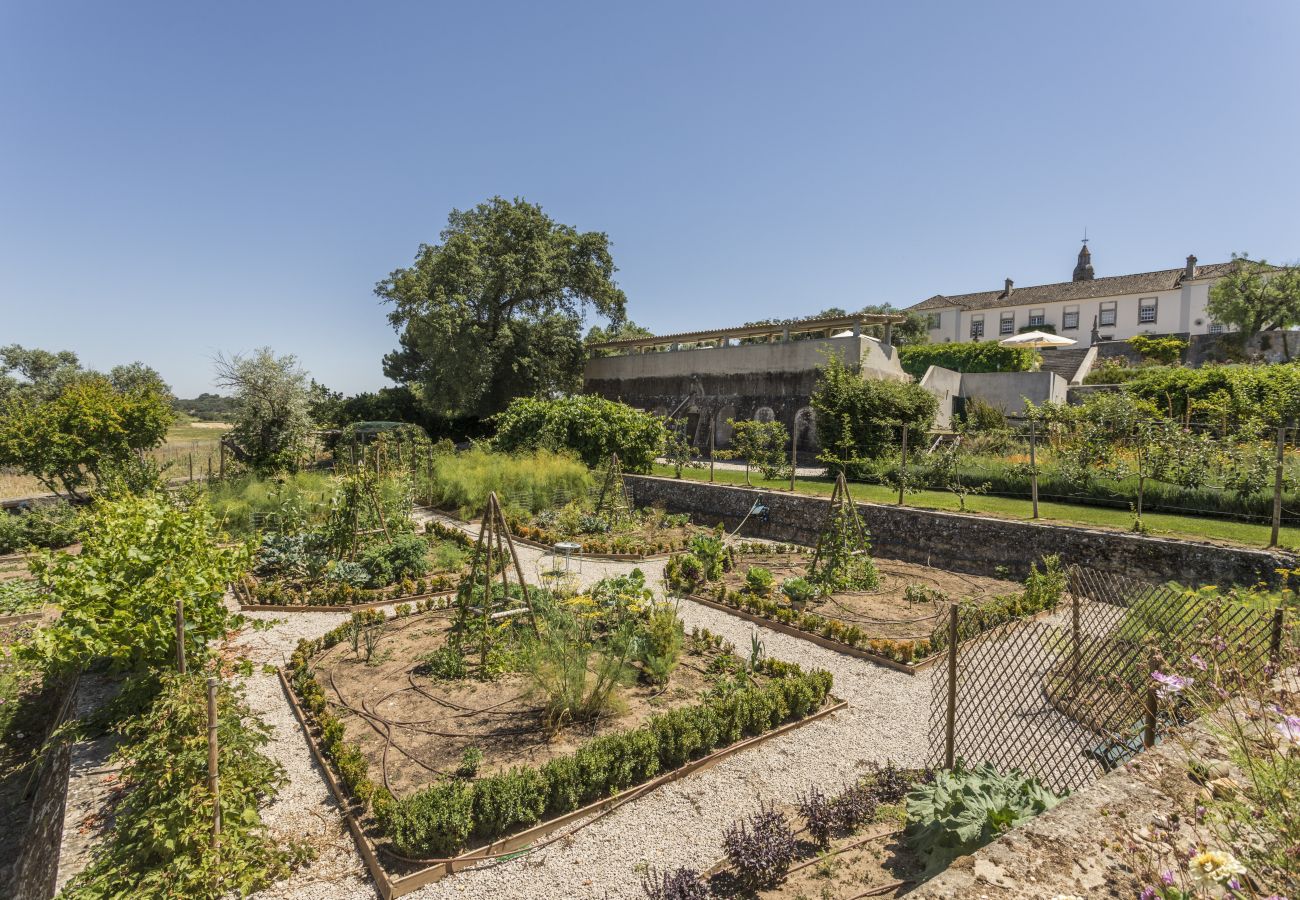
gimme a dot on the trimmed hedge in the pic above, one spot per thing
(966, 356)
(442, 819)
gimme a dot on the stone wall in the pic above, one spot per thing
(33, 873)
(977, 545)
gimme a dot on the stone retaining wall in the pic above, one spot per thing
(977, 545)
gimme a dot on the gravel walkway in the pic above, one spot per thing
(679, 824)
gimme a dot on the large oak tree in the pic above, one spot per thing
(495, 310)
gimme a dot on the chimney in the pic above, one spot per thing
(1007, 292)
(1190, 271)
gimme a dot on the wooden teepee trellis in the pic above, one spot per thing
(494, 549)
(844, 542)
(613, 500)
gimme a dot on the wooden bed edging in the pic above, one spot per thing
(436, 870)
(341, 608)
(819, 640)
(20, 617)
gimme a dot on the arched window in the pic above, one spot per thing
(764, 414)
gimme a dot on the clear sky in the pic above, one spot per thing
(178, 179)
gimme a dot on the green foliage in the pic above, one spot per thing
(589, 426)
(759, 581)
(966, 356)
(842, 560)
(439, 820)
(285, 503)
(69, 439)
(48, 525)
(1242, 399)
(1043, 591)
(444, 663)
(139, 556)
(1164, 351)
(160, 844)
(1254, 296)
(761, 445)
(859, 418)
(530, 481)
(659, 644)
(495, 310)
(677, 447)
(799, 590)
(470, 760)
(272, 423)
(406, 556)
(982, 416)
(19, 595)
(962, 810)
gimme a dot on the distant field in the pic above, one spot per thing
(195, 440)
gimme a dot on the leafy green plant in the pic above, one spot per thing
(592, 427)
(761, 445)
(445, 662)
(52, 525)
(659, 643)
(798, 590)
(405, 556)
(964, 809)
(966, 356)
(139, 556)
(470, 760)
(759, 581)
(532, 480)
(160, 844)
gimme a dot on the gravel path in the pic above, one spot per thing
(679, 824)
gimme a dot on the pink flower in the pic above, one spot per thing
(1289, 729)
(1169, 685)
(1197, 662)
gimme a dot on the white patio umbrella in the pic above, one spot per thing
(1037, 339)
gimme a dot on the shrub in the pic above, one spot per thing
(679, 884)
(858, 419)
(405, 556)
(139, 556)
(50, 525)
(160, 843)
(660, 644)
(962, 810)
(434, 822)
(966, 356)
(470, 760)
(760, 850)
(820, 815)
(589, 426)
(445, 662)
(507, 801)
(349, 572)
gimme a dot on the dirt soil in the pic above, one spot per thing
(413, 728)
(884, 612)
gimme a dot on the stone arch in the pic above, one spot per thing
(721, 430)
(764, 414)
(805, 426)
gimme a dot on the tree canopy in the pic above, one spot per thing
(69, 428)
(1255, 296)
(272, 402)
(495, 310)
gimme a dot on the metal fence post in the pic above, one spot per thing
(950, 725)
(213, 784)
(180, 636)
(902, 470)
(794, 451)
(1033, 465)
(1074, 630)
(1275, 637)
(1149, 708)
(1277, 486)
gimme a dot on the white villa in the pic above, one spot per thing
(1086, 308)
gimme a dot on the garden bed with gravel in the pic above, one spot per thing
(434, 755)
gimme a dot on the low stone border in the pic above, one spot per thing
(341, 608)
(819, 640)
(437, 869)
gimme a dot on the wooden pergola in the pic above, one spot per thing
(756, 334)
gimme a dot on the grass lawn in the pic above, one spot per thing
(1198, 527)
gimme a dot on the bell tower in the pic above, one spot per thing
(1083, 270)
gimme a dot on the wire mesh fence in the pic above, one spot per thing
(1070, 694)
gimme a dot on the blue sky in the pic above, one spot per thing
(180, 179)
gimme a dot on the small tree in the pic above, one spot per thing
(761, 445)
(590, 426)
(860, 418)
(272, 403)
(69, 438)
(676, 447)
(1255, 296)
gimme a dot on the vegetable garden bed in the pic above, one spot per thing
(902, 623)
(430, 760)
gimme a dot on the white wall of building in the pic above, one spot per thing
(1179, 310)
